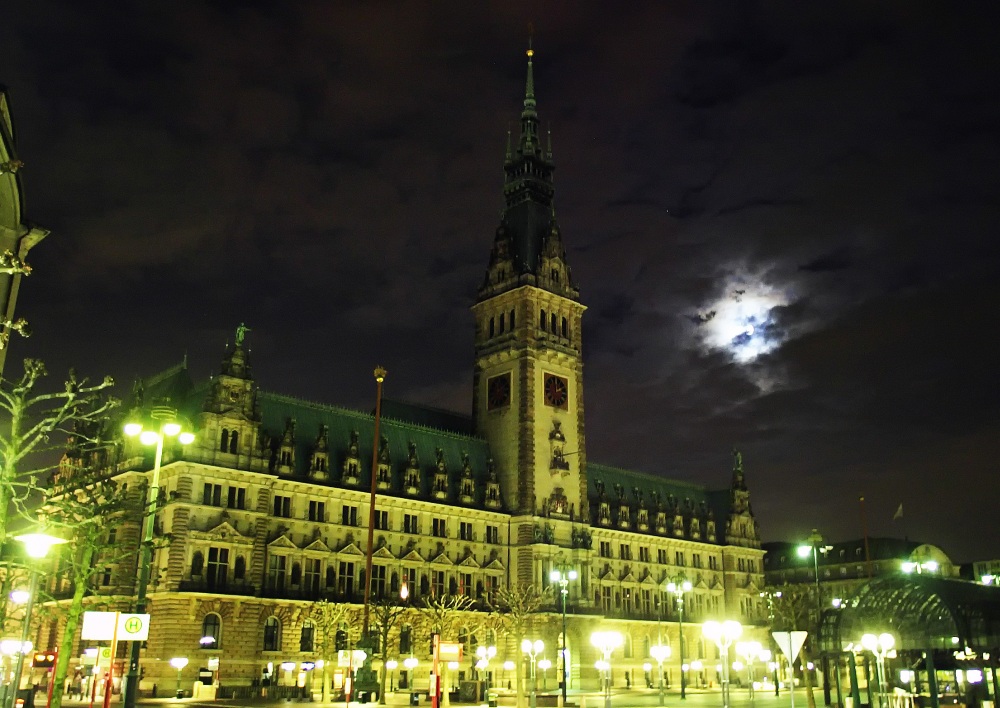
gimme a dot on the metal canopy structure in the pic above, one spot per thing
(921, 611)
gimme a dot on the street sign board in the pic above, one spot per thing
(790, 643)
(100, 626)
(449, 651)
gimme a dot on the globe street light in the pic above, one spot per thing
(391, 665)
(723, 634)
(659, 652)
(37, 546)
(179, 662)
(750, 651)
(168, 427)
(532, 649)
(562, 578)
(606, 642)
(678, 587)
(880, 646)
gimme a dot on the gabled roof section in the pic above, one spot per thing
(282, 541)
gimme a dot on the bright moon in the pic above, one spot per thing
(742, 323)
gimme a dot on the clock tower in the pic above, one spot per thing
(528, 377)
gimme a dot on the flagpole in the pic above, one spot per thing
(864, 528)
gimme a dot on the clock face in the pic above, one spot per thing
(498, 391)
(556, 391)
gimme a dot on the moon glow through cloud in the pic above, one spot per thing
(740, 321)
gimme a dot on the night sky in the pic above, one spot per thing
(782, 217)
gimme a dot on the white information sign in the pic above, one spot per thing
(100, 626)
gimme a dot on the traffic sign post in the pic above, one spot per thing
(790, 644)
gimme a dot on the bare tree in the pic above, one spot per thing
(33, 417)
(512, 611)
(385, 617)
(330, 617)
(796, 609)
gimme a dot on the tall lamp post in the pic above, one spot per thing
(880, 646)
(723, 634)
(167, 427)
(659, 652)
(814, 545)
(606, 642)
(749, 651)
(532, 649)
(179, 662)
(37, 546)
(562, 578)
(678, 587)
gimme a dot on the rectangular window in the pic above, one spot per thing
(625, 551)
(465, 584)
(212, 495)
(313, 575)
(643, 554)
(276, 573)
(492, 534)
(465, 531)
(382, 520)
(410, 524)
(606, 598)
(605, 549)
(679, 558)
(409, 578)
(349, 515)
(317, 510)
(647, 602)
(283, 506)
(237, 498)
(439, 528)
(713, 562)
(741, 564)
(218, 567)
(661, 555)
(378, 580)
(345, 583)
(696, 560)
(437, 582)
(106, 576)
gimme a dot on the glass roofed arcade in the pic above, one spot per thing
(945, 641)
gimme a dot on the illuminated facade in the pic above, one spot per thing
(267, 511)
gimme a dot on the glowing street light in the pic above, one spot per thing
(660, 653)
(179, 662)
(532, 649)
(723, 634)
(37, 546)
(562, 579)
(168, 428)
(750, 651)
(880, 646)
(606, 642)
(678, 587)
(544, 665)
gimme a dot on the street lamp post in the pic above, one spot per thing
(880, 646)
(749, 651)
(723, 634)
(179, 662)
(770, 595)
(562, 579)
(37, 546)
(168, 428)
(532, 650)
(606, 642)
(659, 652)
(678, 587)
(815, 546)
(545, 665)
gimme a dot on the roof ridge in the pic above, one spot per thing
(654, 477)
(165, 374)
(361, 414)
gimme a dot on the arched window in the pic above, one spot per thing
(224, 440)
(502, 322)
(235, 436)
(565, 332)
(492, 327)
(240, 568)
(306, 639)
(272, 634)
(405, 639)
(541, 320)
(628, 646)
(197, 563)
(211, 631)
(512, 319)
(331, 577)
(555, 324)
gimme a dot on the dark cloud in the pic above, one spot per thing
(331, 175)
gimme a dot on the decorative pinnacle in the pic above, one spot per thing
(380, 374)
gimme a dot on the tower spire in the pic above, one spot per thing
(529, 84)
